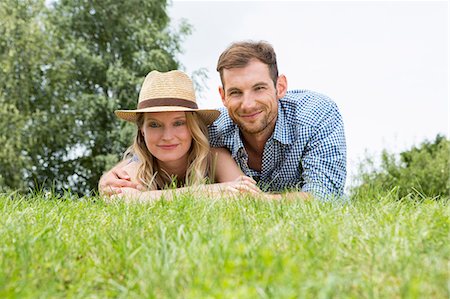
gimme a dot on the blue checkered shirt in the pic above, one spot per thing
(306, 151)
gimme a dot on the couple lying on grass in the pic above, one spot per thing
(267, 139)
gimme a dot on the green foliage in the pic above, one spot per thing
(422, 170)
(197, 247)
(64, 69)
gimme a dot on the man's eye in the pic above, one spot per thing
(234, 93)
(259, 88)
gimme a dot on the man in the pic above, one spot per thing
(285, 140)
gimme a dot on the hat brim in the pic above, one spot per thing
(208, 116)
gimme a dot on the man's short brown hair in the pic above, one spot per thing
(239, 54)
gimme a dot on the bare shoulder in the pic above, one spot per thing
(220, 151)
(226, 169)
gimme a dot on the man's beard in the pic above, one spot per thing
(260, 127)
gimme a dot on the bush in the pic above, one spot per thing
(423, 171)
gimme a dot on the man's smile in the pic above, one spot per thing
(250, 116)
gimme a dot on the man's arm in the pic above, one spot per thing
(324, 162)
(114, 179)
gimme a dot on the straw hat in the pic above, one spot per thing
(168, 92)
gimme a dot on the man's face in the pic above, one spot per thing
(251, 97)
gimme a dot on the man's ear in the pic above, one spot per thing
(222, 95)
(281, 86)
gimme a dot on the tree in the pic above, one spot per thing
(73, 64)
(23, 54)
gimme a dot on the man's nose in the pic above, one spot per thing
(248, 101)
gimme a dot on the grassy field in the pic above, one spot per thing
(223, 248)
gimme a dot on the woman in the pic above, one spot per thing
(171, 147)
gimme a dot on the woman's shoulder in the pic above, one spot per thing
(220, 151)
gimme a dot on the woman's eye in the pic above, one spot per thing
(153, 125)
(179, 123)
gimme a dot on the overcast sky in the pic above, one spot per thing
(384, 63)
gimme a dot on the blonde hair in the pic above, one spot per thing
(200, 166)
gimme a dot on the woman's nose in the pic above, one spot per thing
(167, 133)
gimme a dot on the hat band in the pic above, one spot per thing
(167, 102)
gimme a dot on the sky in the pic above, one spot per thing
(385, 63)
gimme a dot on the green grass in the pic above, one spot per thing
(218, 248)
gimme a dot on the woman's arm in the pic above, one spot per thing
(242, 184)
(231, 181)
(224, 167)
(239, 186)
(228, 175)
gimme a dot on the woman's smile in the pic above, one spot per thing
(168, 146)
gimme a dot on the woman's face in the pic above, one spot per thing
(167, 136)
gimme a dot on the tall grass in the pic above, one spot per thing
(223, 248)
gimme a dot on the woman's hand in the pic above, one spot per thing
(243, 184)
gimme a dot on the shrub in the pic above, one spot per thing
(422, 170)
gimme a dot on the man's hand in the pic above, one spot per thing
(115, 179)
